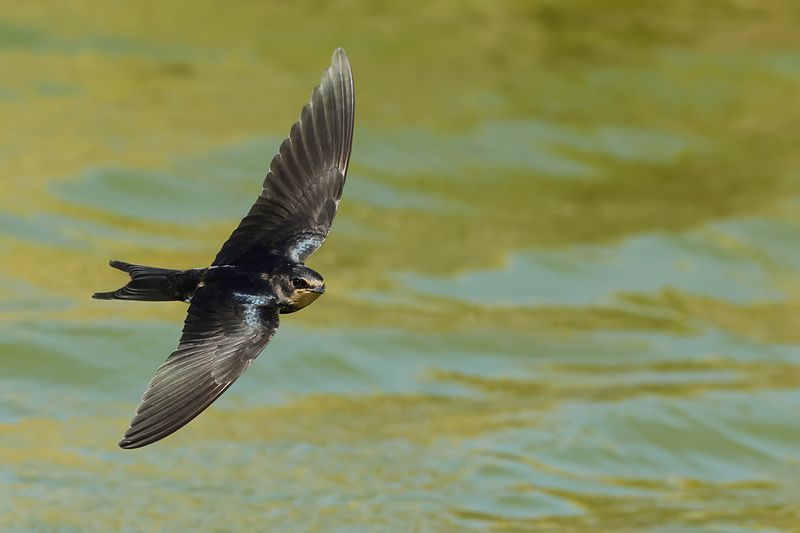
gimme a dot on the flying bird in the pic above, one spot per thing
(260, 272)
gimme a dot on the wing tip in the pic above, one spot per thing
(339, 55)
(130, 443)
(340, 61)
(127, 444)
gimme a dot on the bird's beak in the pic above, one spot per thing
(319, 290)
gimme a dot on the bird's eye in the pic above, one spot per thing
(299, 283)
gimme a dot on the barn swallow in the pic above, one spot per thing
(260, 272)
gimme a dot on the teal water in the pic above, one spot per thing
(563, 288)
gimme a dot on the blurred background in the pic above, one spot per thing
(563, 283)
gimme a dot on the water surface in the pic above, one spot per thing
(563, 289)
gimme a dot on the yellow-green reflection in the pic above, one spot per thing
(562, 285)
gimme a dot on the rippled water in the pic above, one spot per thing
(563, 284)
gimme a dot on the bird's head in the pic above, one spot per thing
(300, 286)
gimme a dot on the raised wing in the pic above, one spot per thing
(220, 339)
(301, 192)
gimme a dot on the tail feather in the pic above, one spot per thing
(147, 284)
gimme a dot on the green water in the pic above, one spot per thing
(563, 282)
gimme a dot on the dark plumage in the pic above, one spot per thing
(258, 274)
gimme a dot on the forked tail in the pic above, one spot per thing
(151, 284)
